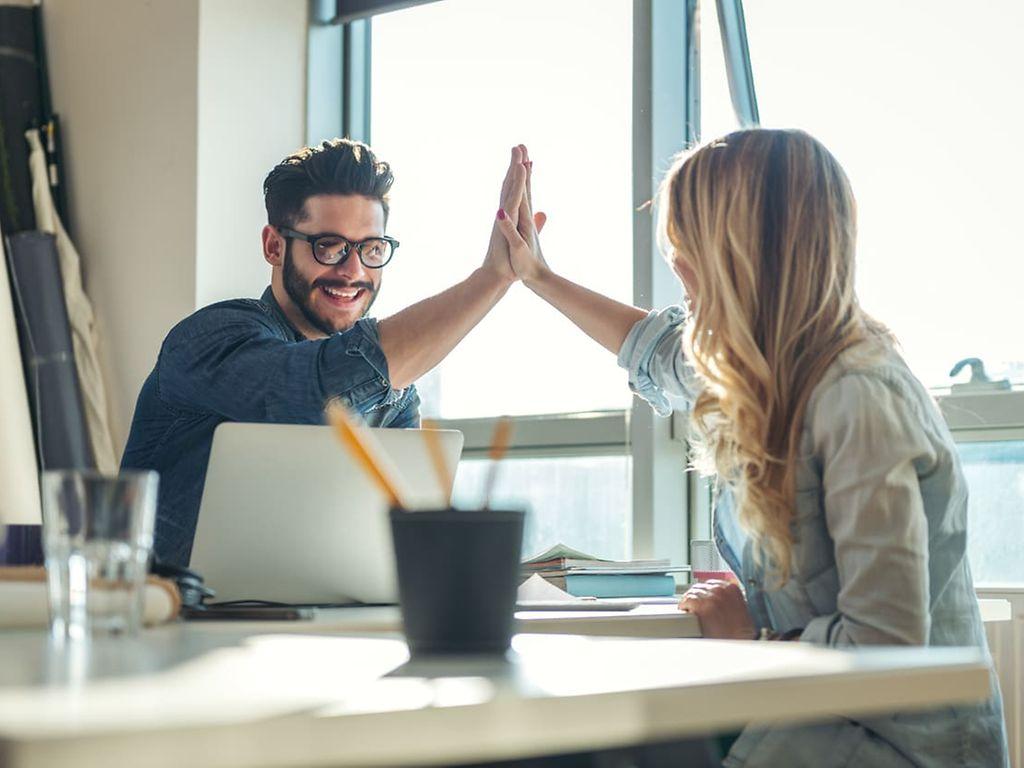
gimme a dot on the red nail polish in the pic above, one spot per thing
(501, 214)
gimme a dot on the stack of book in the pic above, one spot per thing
(583, 575)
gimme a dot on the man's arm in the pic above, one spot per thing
(421, 336)
(226, 361)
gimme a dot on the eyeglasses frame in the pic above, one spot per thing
(292, 234)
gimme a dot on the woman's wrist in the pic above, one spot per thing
(539, 279)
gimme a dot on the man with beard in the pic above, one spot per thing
(307, 339)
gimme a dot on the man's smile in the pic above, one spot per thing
(342, 296)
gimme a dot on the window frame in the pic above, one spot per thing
(975, 417)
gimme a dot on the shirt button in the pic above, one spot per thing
(384, 381)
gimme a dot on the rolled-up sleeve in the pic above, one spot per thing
(871, 445)
(653, 355)
(238, 368)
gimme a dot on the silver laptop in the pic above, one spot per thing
(288, 516)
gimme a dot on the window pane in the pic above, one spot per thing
(717, 117)
(455, 85)
(995, 476)
(914, 98)
(584, 502)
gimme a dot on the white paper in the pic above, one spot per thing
(537, 588)
(19, 473)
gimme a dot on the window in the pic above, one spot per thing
(605, 92)
(926, 134)
(446, 108)
(912, 99)
(995, 475)
(579, 500)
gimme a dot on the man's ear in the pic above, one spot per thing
(273, 246)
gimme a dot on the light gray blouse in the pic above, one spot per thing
(879, 554)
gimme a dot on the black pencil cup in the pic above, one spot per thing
(458, 572)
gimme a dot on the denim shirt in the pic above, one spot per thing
(879, 548)
(241, 360)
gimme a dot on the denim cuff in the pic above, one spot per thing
(363, 381)
(638, 350)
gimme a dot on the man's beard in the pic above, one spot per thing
(300, 291)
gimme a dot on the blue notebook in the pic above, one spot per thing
(620, 584)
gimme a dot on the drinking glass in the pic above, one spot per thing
(97, 536)
(706, 563)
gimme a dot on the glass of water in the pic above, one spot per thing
(706, 563)
(97, 536)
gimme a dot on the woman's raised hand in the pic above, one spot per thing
(513, 187)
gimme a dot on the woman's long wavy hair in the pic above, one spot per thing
(762, 224)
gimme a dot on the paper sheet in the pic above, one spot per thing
(537, 588)
(19, 473)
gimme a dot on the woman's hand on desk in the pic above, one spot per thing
(721, 608)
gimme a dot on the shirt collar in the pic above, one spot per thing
(275, 309)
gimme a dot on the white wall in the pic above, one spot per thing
(173, 111)
(252, 102)
(123, 76)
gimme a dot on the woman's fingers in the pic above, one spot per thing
(509, 230)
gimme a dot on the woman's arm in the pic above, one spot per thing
(603, 319)
(648, 344)
(872, 445)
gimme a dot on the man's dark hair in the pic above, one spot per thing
(336, 167)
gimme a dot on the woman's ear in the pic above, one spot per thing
(273, 246)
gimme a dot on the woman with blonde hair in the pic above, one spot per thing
(840, 501)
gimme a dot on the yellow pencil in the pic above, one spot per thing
(499, 445)
(444, 476)
(351, 436)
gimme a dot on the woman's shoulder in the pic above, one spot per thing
(870, 381)
(868, 366)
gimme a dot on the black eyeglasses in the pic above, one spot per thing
(329, 249)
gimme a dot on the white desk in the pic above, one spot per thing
(192, 695)
(651, 621)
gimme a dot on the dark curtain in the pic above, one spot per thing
(44, 336)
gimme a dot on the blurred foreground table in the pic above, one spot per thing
(195, 695)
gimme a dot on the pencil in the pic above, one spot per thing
(499, 445)
(351, 435)
(444, 475)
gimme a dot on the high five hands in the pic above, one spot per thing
(516, 226)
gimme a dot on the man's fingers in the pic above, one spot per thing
(512, 195)
(515, 162)
(539, 220)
